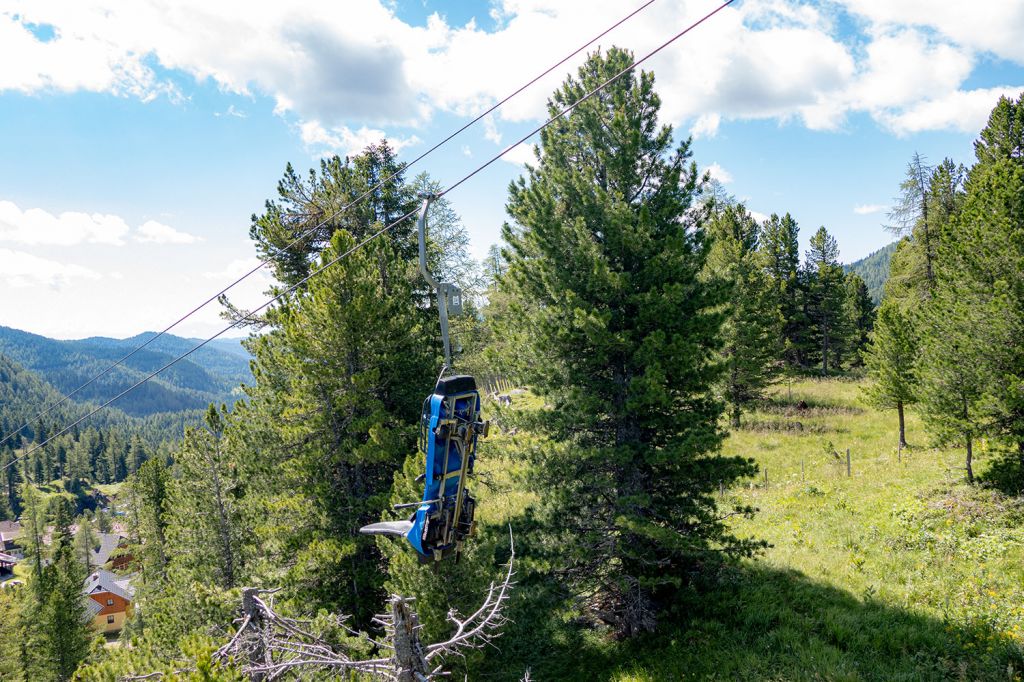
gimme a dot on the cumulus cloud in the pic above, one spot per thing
(491, 130)
(868, 209)
(719, 173)
(157, 233)
(522, 153)
(20, 270)
(335, 66)
(961, 110)
(346, 142)
(34, 226)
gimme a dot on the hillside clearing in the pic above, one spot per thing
(898, 572)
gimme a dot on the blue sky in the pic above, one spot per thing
(136, 139)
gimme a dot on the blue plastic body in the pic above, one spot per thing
(454, 406)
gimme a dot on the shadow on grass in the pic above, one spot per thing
(1005, 474)
(756, 624)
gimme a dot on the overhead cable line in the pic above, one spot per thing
(329, 218)
(566, 110)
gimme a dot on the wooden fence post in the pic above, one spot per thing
(847, 462)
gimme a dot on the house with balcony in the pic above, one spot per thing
(109, 600)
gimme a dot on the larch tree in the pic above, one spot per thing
(753, 324)
(911, 216)
(891, 359)
(66, 621)
(605, 264)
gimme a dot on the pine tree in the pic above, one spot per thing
(203, 506)
(780, 245)
(951, 371)
(340, 380)
(990, 259)
(753, 325)
(605, 260)
(826, 297)
(1002, 138)
(891, 361)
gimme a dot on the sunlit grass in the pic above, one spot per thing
(899, 571)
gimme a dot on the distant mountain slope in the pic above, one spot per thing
(210, 374)
(874, 270)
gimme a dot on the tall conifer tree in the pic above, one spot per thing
(753, 326)
(826, 297)
(891, 361)
(605, 259)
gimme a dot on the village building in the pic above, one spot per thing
(10, 535)
(108, 599)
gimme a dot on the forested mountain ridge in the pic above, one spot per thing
(874, 270)
(211, 374)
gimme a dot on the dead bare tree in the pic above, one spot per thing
(267, 646)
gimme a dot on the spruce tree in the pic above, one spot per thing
(753, 325)
(605, 260)
(860, 315)
(891, 361)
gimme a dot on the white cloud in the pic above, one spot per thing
(521, 154)
(706, 125)
(960, 110)
(993, 27)
(21, 270)
(868, 209)
(35, 226)
(345, 142)
(157, 233)
(337, 66)
(231, 111)
(758, 216)
(719, 173)
(491, 130)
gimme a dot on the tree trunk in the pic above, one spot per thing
(903, 429)
(970, 456)
(736, 416)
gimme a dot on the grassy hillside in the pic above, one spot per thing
(898, 572)
(874, 270)
(210, 374)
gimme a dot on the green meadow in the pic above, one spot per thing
(897, 571)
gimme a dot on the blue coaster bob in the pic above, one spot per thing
(449, 428)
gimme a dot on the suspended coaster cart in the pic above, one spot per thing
(449, 428)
